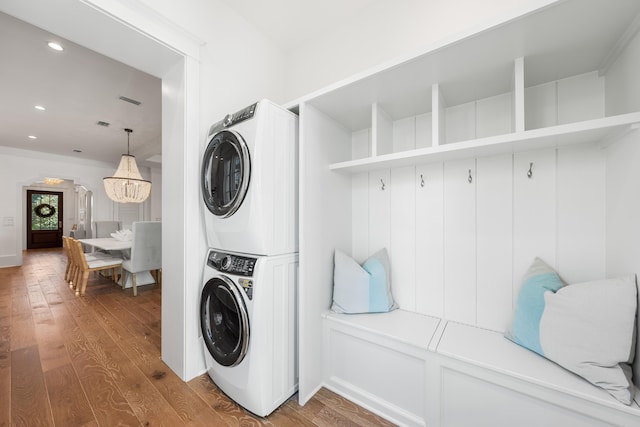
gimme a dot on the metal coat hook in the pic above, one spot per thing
(382, 182)
(530, 171)
(470, 177)
(421, 180)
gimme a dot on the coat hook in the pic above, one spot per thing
(530, 171)
(382, 182)
(421, 180)
(470, 177)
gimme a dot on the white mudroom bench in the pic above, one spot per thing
(419, 370)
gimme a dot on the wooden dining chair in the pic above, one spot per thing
(70, 267)
(85, 266)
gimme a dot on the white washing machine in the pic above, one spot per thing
(248, 321)
(249, 181)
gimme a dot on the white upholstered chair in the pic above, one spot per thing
(105, 228)
(146, 252)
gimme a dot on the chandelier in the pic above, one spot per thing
(126, 185)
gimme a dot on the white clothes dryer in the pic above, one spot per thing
(248, 321)
(249, 181)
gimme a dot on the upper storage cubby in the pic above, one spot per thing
(545, 79)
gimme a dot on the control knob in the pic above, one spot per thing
(227, 120)
(225, 264)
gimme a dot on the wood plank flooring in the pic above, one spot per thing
(95, 361)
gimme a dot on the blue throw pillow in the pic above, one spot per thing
(537, 281)
(362, 289)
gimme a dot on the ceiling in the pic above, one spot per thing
(78, 88)
(292, 23)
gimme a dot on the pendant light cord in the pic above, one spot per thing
(128, 131)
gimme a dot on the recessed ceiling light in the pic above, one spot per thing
(33, 137)
(55, 46)
(39, 107)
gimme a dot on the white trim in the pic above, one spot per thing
(147, 21)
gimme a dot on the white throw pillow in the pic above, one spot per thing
(362, 289)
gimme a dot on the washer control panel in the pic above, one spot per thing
(232, 264)
(234, 118)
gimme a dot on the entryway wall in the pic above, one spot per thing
(20, 169)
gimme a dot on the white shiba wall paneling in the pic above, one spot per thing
(494, 241)
(460, 241)
(403, 238)
(379, 210)
(429, 232)
(534, 211)
(581, 213)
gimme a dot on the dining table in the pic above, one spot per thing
(124, 247)
(107, 243)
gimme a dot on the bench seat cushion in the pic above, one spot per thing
(490, 350)
(404, 326)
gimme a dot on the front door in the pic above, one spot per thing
(44, 219)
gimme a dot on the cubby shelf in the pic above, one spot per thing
(589, 131)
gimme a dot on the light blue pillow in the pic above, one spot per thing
(587, 328)
(362, 289)
(537, 281)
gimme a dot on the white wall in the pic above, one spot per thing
(388, 30)
(238, 65)
(155, 206)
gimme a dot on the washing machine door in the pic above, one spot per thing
(226, 170)
(224, 321)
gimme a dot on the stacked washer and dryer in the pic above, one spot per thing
(248, 300)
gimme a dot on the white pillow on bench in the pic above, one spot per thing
(362, 289)
(587, 328)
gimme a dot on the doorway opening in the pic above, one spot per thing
(44, 219)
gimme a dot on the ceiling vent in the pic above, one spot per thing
(129, 100)
(104, 124)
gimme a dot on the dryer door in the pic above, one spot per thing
(224, 321)
(226, 170)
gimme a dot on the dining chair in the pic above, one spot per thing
(146, 252)
(71, 270)
(87, 264)
(105, 228)
(70, 267)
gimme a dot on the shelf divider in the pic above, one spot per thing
(518, 94)
(382, 131)
(437, 116)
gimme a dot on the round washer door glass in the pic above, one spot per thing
(224, 321)
(226, 170)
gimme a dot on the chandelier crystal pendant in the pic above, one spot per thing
(126, 185)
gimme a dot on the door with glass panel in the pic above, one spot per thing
(44, 219)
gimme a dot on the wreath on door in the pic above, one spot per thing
(44, 210)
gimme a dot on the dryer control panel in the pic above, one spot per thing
(232, 264)
(233, 119)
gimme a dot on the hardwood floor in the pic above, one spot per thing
(95, 361)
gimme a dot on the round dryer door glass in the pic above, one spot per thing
(224, 321)
(226, 169)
